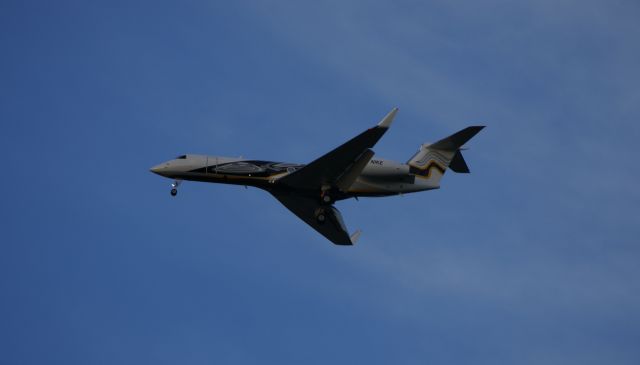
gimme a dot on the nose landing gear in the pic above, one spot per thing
(174, 187)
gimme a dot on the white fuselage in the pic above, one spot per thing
(380, 177)
(387, 177)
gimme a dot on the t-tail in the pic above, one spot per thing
(432, 160)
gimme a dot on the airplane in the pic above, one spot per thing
(351, 170)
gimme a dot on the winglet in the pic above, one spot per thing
(386, 121)
(355, 236)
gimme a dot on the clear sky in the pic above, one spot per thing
(533, 258)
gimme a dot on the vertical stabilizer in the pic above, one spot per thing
(432, 160)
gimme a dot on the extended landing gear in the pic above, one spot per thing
(325, 204)
(321, 216)
(174, 187)
(325, 195)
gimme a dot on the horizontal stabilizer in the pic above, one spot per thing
(456, 140)
(458, 164)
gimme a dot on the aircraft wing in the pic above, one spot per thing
(330, 168)
(307, 209)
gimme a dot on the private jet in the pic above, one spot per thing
(351, 170)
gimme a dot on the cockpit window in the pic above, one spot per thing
(181, 157)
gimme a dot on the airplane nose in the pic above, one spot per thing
(156, 169)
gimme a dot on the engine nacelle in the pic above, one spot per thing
(378, 168)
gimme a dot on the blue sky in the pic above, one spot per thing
(531, 259)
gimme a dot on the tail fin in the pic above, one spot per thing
(432, 160)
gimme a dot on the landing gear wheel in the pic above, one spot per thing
(326, 198)
(174, 192)
(321, 218)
